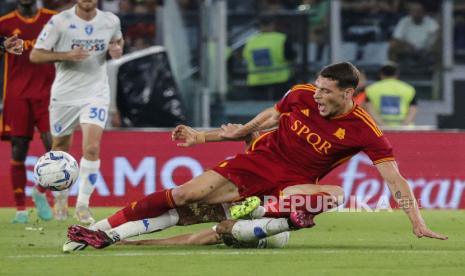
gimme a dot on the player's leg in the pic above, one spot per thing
(210, 237)
(185, 215)
(202, 237)
(196, 190)
(60, 208)
(311, 198)
(265, 232)
(19, 148)
(42, 122)
(88, 172)
(63, 120)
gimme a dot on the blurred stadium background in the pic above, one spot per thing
(203, 42)
(183, 63)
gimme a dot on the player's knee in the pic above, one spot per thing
(92, 151)
(225, 227)
(19, 148)
(61, 144)
(337, 194)
(182, 196)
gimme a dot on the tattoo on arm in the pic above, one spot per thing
(406, 203)
(398, 195)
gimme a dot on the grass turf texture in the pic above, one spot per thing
(341, 243)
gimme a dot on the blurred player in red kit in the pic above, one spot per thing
(26, 97)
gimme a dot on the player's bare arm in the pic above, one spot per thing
(189, 136)
(46, 56)
(115, 48)
(404, 197)
(12, 45)
(266, 119)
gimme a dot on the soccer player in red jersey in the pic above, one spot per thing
(25, 100)
(318, 128)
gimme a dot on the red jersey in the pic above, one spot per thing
(22, 79)
(313, 145)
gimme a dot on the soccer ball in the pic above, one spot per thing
(56, 170)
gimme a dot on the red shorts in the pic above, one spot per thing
(259, 173)
(20, 116)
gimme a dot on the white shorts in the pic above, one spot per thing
(64, 118)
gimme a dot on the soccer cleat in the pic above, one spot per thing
(301, 219)
(244, 208)
(20, 217)
(70, 246)
(97, 239)
(43, 208)
(84, 215)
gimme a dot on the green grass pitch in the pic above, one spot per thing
(341, 244)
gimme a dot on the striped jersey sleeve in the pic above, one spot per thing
(294, 97)
(377, 146)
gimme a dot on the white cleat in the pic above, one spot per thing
(71, 246)
(84, 215)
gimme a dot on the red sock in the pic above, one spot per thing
(40, 189)
(150, 206)
(18, 182)
(314, 203)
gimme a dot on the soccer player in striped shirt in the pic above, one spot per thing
(316, 128)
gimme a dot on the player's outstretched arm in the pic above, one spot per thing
(405, 199)
(46, 56)
(189, 136)
(266, 119)
(202, 237)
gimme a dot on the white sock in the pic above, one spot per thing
(145, 226)
(61, 197)
(259, 212)
(253, 230)
(88, 173)
(103, 225)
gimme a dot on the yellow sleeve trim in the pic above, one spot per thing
(307, 87)
(44, 10)
(368, 121)
(387, 159)
(7, 16)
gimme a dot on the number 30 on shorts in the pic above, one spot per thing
(99, 113)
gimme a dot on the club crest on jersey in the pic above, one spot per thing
(340, 133)
(89, 29)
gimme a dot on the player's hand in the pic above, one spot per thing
(14, 45)
(233, 132)
(188, 135)
(420, 230)
(77, 54)
(114, 50)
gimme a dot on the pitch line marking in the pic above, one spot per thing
(254, 252)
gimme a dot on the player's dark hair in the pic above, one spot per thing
(389, 70)
(345, 73)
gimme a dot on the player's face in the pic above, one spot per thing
(87, 5)
(331, 99)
